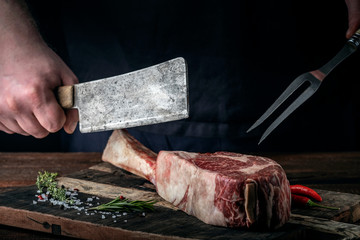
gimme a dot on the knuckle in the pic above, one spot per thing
(13, 104)
(29, 97)
(34, 94)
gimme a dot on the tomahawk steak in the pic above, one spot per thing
(222, 188)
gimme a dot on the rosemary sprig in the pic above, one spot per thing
(123, 204)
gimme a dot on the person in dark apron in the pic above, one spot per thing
(240, 57)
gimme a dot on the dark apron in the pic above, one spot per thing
(241, 55)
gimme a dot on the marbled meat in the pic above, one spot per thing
(221, 188)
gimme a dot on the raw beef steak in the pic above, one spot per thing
(222, 188)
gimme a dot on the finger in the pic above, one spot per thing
(353, 27)
(68, 77)
(14, 127)
(5, 129)
(31, 126)
(50, 115)
(72, 118)
(353, 7)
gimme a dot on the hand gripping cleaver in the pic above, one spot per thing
(148, 96)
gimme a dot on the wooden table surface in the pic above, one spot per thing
(329, 171)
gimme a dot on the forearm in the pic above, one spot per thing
(17, 28)
(29, 73)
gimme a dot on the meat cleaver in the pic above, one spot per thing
(148, 96)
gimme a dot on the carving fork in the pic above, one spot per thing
(314, 78)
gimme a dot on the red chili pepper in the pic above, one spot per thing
(301, 201)
(306, 191)
(40, 197)
(121, 198)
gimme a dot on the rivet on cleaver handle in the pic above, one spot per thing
(148, 96)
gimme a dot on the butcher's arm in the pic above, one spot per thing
(29, 73)
(353, 16)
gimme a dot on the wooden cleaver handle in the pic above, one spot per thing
(65, 96)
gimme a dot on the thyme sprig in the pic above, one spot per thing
(123, 204)
(46, 183)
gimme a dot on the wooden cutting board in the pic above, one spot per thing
(106, 182)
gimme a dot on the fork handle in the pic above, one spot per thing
(355, 39)
(351, 46)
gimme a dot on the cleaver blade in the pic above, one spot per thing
(147, 96)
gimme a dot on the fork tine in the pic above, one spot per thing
(300, 100)
(314, 77)
(285, 95)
